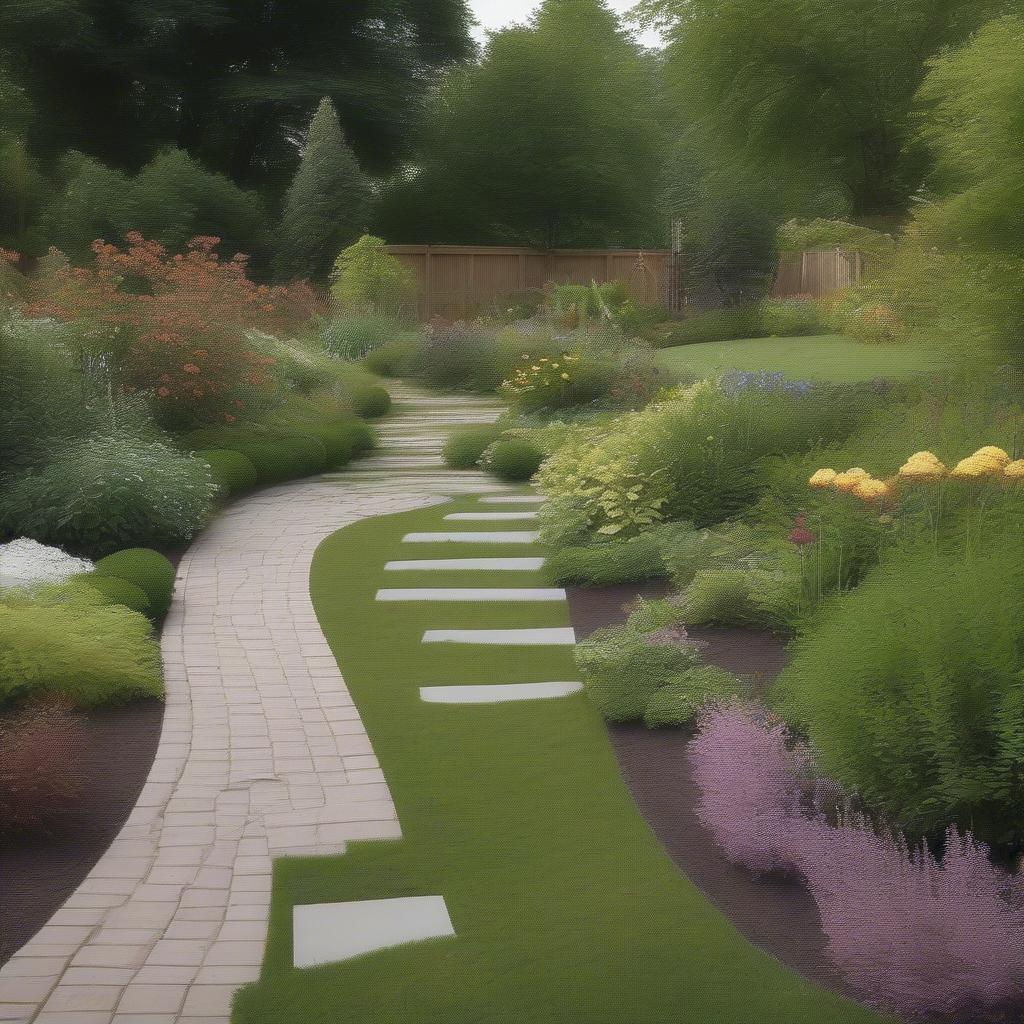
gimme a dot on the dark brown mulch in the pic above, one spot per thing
(40, 872)
(777, 914)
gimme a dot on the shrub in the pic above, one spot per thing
(368, 278)
(623, 667)
(394, 358)
(793, 318)
(41, 748)
(106, 493)
(360, 436)
(276, 457)
(354, 335)
(232, 471)
(601, 565)
(715, 325)
(114, 590)
(464, 447)
(514, 461)
(458, 356)
(758, 595)
(75, 647)
(148, 570)
(679, 702)
(918, 936)
(370, 401)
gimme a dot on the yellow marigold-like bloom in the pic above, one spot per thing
(924, 457)
(1014, 470)
(848, 480)
(922, 470)
(991, 452)
(870, 489)
(565, 376)
(822, 479)
(975, 468)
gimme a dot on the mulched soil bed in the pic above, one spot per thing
(776, 914)
(40, 872)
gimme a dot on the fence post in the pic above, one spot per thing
(428, 311)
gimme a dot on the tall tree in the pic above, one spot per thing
(816, 95)
(233, 82)
(327, 204)
(550, 140)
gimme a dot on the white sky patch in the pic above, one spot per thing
(494, 14)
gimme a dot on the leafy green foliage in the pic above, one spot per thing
(601, 565)
(114, 590)
(78, 647)
(146, 569)
(550, 140)
(714, 325)
(231, 469)
(464, 447)
(327, 203)
(689, 693)
(368, 279)
(354, 335)
(102, 493)
(796, 236)
(909, 689)
(514, 460)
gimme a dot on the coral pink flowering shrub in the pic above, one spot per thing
(909, 932)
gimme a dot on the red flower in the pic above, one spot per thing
(800, 535)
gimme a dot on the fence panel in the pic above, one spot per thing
(817, 272)
(460, 281)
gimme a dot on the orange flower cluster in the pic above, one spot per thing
(176, 324)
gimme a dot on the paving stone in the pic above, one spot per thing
(474, 537)
(497, 694)
(502, 637)
(473, 594)
(454, 564)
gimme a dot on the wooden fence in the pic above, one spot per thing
(817, 272)
(461, 281)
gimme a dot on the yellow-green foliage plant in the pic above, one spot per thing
(72, 644)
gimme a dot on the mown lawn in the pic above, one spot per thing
(567, 911)
(829, 357)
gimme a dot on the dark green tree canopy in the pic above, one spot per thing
(550, 140)
(327, 205)
(233, 82)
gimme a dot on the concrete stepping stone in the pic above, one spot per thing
(563, 637)
(472, 594)
(503, 537)
(489, 517)
(514, 499)
(495, 564)
(497, 694)
(327, 933)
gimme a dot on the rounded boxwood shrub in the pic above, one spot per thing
(392, 359)
(515, 460)
(370, 400)
(284, 458)
(115, 590)
(146, 569)
(464, 448)
(232, 470)
(360, 435)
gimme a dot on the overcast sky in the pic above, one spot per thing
(492, 14)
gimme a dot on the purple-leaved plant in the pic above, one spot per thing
(919, 936)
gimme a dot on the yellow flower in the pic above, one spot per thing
(924, 457)
(991, 452)
(922, 470)
(976, 467)
(565, 376)
(870, 489)
(823, 478)
(848, 480)
(1014, 470)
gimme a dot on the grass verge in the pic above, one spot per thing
(566, 908)
(828, 357)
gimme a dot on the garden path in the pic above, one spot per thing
(262, 753)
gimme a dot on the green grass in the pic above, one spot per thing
(567, 910)
(829, 357)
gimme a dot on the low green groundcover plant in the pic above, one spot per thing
(514, 460)
(582, 918)
(231, 469)
(115, 590)
(148, 570)
(464, 447)
(76, 646)
(615, 561)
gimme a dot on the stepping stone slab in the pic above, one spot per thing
(492, 517)
(499, 694)
(327, 933)
(514, 499)
(473, 594)
(496, 564)
(465, 537)
(564, 637)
